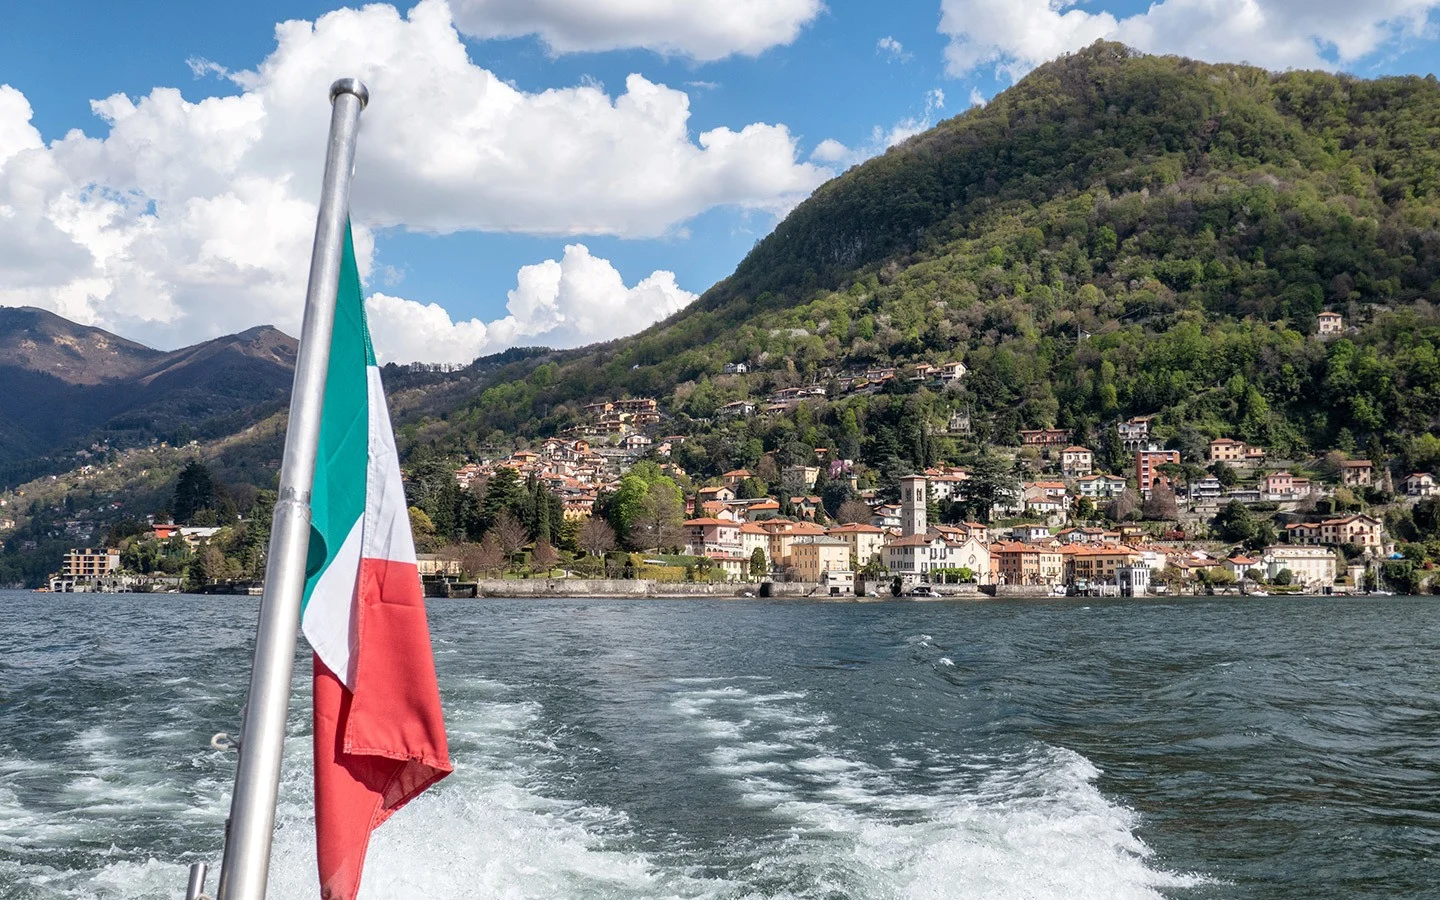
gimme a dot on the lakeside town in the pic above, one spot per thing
(607, 502)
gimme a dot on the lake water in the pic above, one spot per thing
(1236, 748)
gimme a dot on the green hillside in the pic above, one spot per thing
(1116, 235)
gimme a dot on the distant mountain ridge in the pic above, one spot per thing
(41, 341)
(68, 385)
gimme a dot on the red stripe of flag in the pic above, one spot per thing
(379, 747)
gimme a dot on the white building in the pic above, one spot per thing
(1100, 487)
(1313, 567)
(1421, 484)
(1076, 461)
(915, 557)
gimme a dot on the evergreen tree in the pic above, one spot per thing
(196, 492)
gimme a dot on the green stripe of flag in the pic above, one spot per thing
(337, 501)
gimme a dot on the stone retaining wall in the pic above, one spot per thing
(620, 587)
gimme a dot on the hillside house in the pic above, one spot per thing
(1329, 324)
(1044, 438)
(1083, 536)
(1206, 490)
(1031, 532)
(720, 493)
(806, 506)
(1100, 487)
(945, 483)
(886, 516)
(1234, 453)
(761, 509)
(1076, 461)
(1361, 530)
(951, 372)
(1283, 485)
(1135, 433)
(1357, 473)
(1420, 484)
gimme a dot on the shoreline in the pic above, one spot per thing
(643, 589)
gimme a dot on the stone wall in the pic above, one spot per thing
(617, 587)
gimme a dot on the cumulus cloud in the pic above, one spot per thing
(700, 29)
(188, 220)
(578, 300)
(1015, 36)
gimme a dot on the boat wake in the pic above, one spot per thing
(792, 810)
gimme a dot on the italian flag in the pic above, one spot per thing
(379, 730)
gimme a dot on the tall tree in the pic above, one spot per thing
(853, 511)
(196, 491)
(504, 494)
(662, 512)
(1160, 506)
(509, 534)
(757, 563)
(597, 537)
(992, 483)
(543, 557)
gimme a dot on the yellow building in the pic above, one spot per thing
(813, 555)
(866, 541)
(1097, 563)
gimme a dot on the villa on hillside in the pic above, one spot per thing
(1135, 433)
(1420, 484)
(1044, 438)
(1357, 472)
(1235, 453)
(1076, 461)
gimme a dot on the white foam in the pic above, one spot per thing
(490, 830)
(1033, 826)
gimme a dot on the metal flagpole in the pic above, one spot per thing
(257, 780)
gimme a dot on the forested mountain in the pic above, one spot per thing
(68, 385)
(1115, 235)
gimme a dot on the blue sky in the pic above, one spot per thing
(828, 80)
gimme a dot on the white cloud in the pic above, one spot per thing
(701, 29)
(578, 300)
(888, 47)
(831, 152)
(1015, 36)
(977, 98)
(188, 220)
